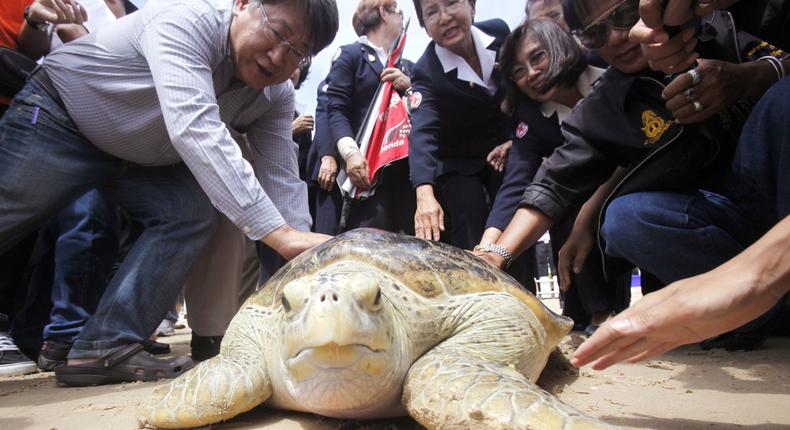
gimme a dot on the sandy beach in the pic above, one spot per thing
(685, 389)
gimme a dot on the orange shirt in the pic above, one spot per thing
(11, 21)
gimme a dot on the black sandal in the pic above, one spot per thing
(126, 364)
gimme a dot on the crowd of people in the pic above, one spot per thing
(163, 154)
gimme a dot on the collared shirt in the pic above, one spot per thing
(158, 87)
(584, 84)
(450, 61)
(380, 52)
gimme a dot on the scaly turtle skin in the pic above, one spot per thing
(373, 324)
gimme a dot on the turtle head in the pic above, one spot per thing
(341, 346)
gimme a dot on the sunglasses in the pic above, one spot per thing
(623, 16)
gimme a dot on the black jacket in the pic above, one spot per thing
(456, 124)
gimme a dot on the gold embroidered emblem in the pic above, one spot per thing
(654, 126)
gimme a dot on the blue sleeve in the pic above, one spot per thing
(522, 163)
(424, 135)
(340, 95)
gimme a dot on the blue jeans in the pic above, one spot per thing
(48, 164)
(677, 235)
(85, 248)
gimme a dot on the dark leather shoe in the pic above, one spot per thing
(53, 354)
(156, 348)
(204, 347)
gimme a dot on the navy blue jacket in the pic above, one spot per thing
(456, 124)
(534, 137)
(322, 139)
(353, 78)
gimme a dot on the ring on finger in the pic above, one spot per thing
(690, 93)
(695, 76)
(698, 106)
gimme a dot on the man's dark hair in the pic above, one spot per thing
(418, 9)
(321, 20)
(566, 58)
(303, 72)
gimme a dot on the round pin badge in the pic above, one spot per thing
(521, 130)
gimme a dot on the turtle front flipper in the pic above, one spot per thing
(217, 389)
(451, 389)
(481, 376)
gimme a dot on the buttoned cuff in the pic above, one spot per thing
(260, 220)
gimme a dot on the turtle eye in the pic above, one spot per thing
(377, 300)
(286, 304)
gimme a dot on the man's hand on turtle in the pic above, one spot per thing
(290, 242)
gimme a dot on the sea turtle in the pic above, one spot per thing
(373, 324)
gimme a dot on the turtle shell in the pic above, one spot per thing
(430, 269)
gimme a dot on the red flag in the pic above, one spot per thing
(383, 136)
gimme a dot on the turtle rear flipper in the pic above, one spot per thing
(215, 390)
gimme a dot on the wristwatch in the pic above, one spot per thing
(40, 26)
(499, 250)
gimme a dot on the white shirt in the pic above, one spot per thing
(451, 61)
(380, 52)
(584, 84)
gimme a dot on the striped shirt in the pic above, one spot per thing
(157, 87)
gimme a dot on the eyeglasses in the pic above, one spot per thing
(537, 58)
(303, 59)
(623, 16)
(432, 15)
(398, 12)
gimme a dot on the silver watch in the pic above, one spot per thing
(499, 250)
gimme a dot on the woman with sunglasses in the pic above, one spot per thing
(670, 195)
(352, 81)
(457, 122)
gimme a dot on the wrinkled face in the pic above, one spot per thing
(448, 22)
(341, 348)
(547, 9)
(258, 44)
(529, 73)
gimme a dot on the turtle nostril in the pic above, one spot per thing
(334, 296)
(323, 297)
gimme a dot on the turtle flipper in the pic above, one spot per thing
(450, 389)
(217, 389)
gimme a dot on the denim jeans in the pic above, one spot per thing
(85, 248)
(47, 163)
(682, 234)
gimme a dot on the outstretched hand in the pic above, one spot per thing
(687, 311)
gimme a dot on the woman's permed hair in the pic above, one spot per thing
(368, 15)
(566, 58)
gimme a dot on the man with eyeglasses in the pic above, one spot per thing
(149, 109)
(669, 214)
